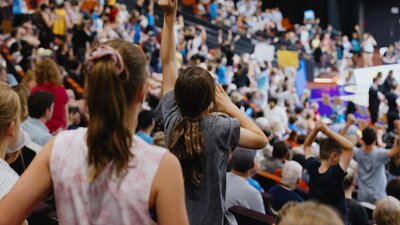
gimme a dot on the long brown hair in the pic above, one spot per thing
(194, 93)
(109, 136)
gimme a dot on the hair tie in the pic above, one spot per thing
(102, 51)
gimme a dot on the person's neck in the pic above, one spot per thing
(348, 194)
(289, 187)
(369, 148)
(42, 120)
(3, 147)
(325, 165)
(145, 131)
(240, 174)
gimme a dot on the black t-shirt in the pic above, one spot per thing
(392, 103)
(327, 187)
(373, 100)
(357, 213)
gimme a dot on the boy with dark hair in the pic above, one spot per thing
(357, 213)
(326, 177)
(371, 162)
(280, 153)
(40, 108)
(145, 126)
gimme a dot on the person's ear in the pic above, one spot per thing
(141, 94)
(11, 129)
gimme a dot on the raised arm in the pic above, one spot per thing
(168, 48)
(308, 153)
(396, 150)
(251, 136)
(346, 145)
(350, 121)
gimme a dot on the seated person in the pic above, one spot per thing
(357, 213)
(283, 193)
(280, 154)
(40, 108)
(238, 191)
(311, 213)
(371, 162)
(387, 211)
(146, 125)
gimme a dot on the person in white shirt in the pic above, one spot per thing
(238, 191)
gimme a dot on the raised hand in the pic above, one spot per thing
(321, 126)
(351, 119)
(168, 6)
(222, 101)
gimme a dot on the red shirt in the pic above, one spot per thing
(58, 120)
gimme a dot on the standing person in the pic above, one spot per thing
(374, 100)
(394, 104)
(48, 78)
(44, 24)
(60, 22)
(371, 161)
(327, 176)
(94, 172)
(368, 44)
(201, 140)
(388, 82)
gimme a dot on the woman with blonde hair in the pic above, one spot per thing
(10, 109)
(48, 78)
(387, 212)
(311, 213)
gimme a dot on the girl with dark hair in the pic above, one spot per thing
(199, 139)
(104, 174)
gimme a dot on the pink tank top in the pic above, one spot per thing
(109, 199)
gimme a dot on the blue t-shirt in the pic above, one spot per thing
(372, 178)
(213, 10)
(145, 137)
(356, 45)
(328, 187)
(282, 196)
(221, 74)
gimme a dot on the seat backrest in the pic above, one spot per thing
(246, 216)
(267, 180)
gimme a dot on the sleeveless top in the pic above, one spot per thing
(108, 199)
(8, 178)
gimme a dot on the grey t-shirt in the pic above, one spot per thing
(206, 204)
(372, 178)
(240, 193)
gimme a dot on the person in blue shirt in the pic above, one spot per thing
(146, 125)
(213, 9)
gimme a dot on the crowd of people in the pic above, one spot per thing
(101, 94)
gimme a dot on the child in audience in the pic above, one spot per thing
(387, 211)
(94, 172)
(371, 162)
(326, 177)
(199, 139)
(311, 213)
(357, 213)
